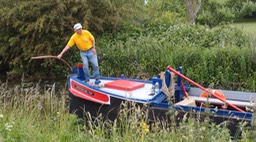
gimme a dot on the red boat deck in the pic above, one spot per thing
(124, 85)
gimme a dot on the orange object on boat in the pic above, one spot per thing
(206, 94)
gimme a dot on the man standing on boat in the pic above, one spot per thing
(85, 42)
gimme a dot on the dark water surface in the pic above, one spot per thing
(56, 83)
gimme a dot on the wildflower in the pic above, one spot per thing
(145, 128)
(8, 126)
(58, 114)
(176, 113)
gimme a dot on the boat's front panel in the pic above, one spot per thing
(85, 92)
(101, 93)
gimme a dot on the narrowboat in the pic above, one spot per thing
(159, 95)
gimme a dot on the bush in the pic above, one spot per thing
(33, 28)
(221, 55)
(218, 12)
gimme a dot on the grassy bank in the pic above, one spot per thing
(246, 25)
(28, 115)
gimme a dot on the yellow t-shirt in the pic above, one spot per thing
(83, 41)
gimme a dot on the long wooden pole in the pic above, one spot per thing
(54, 57)
(204, 89)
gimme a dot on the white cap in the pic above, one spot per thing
(77, 26)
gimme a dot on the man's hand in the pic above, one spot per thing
(59, 56)
(94, 50)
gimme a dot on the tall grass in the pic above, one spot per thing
(28, 115)
(31, 114)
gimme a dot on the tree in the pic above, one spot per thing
(215, 12)
(34, 27)
(192, 8)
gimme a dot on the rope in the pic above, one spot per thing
(167, 91)
(184, 90)
(172, 87)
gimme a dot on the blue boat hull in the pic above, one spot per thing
(82, 107)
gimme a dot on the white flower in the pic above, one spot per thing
(1, 116)
(8, 127)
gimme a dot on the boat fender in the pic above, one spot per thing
(80, 74)
(205, 94)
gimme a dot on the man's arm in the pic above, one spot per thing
(93, 47)
(63, 51)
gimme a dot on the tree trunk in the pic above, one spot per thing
(192, 7)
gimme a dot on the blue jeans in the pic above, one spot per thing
(90, 56)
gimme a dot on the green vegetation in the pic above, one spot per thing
(131, 38)
(247, 26)
(125, 40)
(218, 12)
(32, 28)
(222, 55)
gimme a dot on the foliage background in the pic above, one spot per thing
(33, 28)
(132, 38)
(217, 12)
